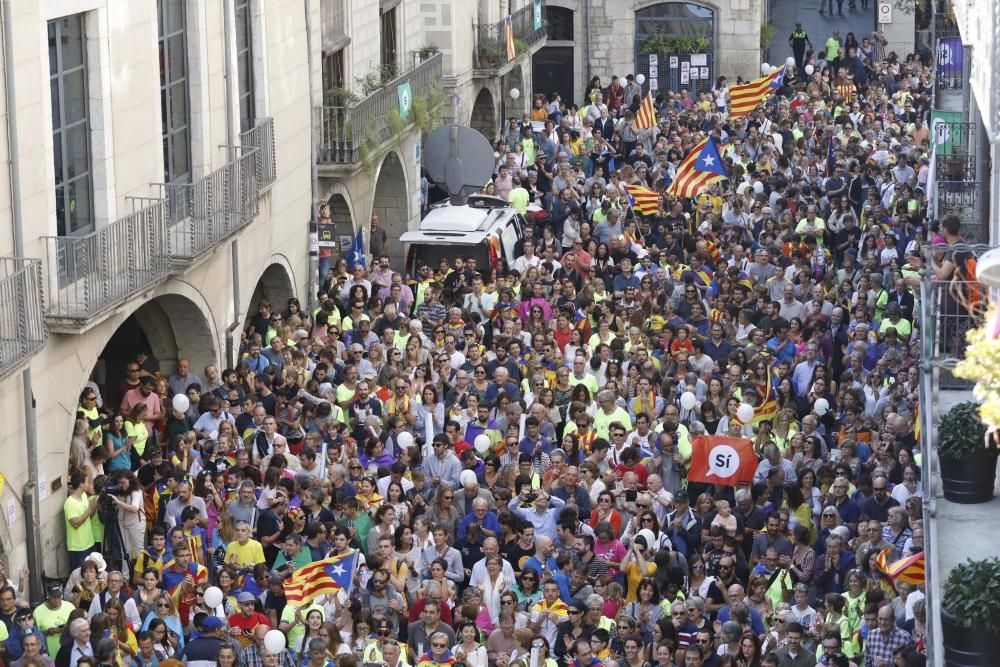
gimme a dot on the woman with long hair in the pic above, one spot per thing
(118, 445)
(749, 654)
(442, 511)
(135, 429)
(120, 630)
(468, 650)
(131, 512)
(165, 611)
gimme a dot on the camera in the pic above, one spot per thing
(113, 487)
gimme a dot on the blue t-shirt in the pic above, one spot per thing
(121, 462)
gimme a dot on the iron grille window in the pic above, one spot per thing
(244, 64)
(559, 23)
(174, 100)
(70, 126)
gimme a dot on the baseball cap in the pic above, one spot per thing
(682, 496)
(245, 596)
(214, 622)
(54, 590)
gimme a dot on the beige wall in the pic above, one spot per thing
(198, 305)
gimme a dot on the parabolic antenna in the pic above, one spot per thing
(459, 159)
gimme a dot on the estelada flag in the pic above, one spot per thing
(717, 459)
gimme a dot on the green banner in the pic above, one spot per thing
(405, 99)
(948, 142)
(538, 14)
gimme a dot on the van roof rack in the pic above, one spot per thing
(486, 201)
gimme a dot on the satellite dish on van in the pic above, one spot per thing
(460, 159)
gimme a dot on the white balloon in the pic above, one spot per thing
(790, 62)
(181, 403)
(274, 641)
(758, 187)
(404, 440)
(213, 597)
(821, 407)
(765, 68)
(640, 79)
(745, 412)
(482, 443)
(623, 79)
(514, 93)
(774, 68)
(810, 69)
(688, 400)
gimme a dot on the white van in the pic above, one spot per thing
(447, 231)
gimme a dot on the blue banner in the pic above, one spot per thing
(949, 57)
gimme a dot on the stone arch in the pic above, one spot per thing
(514, 79)
(276, 284)
(391, 203)
(484, 115)
(169, 327)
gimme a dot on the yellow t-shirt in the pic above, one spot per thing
(603, 421)
(633, 575)
(140, 433)
(251, 552)
(82, 538)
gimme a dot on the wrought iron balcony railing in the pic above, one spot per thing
(344, 129)
(87, 275)
(527, 28)
(22, 312)
(261, 137)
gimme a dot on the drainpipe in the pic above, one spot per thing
(30, 491)
(314, 170)
(586, 44)
(234, 246)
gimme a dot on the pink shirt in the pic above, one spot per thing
(134, 397)
(612, 551)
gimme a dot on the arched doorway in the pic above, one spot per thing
(166, 329)
(276, 286)
(484, 118)
(391, 204)
(684, 31)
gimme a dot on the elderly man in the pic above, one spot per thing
(608, 413)
(32, 646)
(570, 491)
(80, 645)
(884, 639)
(481, 516)
(543, 516)
(258, 656)
(470, 491)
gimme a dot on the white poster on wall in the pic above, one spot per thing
(699, 59)
(673, 62)
(654, 71)
(654, 60)
(654, 83)
(704, 73)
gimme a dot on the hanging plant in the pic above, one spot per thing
(766, 36)
(397, 128)
(659, 41)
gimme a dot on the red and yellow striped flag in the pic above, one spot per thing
(744, 98)
(508, 36)
(702, 167)
(909, 570)
(644, 200)
(645, 117)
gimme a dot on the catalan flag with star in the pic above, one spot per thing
(744, 98)
(330, 575)
(642, 199)
(702, 167)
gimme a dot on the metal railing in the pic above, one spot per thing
(86, 275)
(344, 129)
(962, 199)
(205, 212)
(491, 38)
(261, 137)
(22, 311)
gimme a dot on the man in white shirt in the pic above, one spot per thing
(491, 547)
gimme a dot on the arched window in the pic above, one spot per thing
(678, 33)
(559, 23)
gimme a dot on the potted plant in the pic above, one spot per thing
(970, 613)
(968, 465)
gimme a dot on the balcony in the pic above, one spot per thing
(261, 137)
(88, 275)
(206, 212)
(347, 133)
(22, 312)
(528, 28)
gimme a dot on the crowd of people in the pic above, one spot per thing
(505, 447)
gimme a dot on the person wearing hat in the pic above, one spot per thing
(243, 623)
(51, 616)
(683, 525)
(798, 41)
(23, 627)
(202, 650)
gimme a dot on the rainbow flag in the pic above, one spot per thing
(644, 200)
(744, 98)
(702, 167)
(645, 117)
(329, 575)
